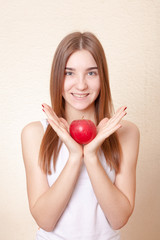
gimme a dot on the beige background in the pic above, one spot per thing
(30, 30)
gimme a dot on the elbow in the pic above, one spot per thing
(45, 225)
(43, 222)
(46, 228)
(121, 221)
(118, 225)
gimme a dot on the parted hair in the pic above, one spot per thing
(51, 143)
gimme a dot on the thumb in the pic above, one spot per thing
(65, 123)
(102, 123)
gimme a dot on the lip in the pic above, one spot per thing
(80, 95)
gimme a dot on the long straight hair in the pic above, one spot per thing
(51, 143)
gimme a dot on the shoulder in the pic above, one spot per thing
(32, 132)
(32, 128)
(129, 130)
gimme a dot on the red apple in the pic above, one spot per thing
(83, 131)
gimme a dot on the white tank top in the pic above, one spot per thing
(83, 218)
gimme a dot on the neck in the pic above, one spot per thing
(75, 114)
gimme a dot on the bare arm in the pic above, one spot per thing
(116, 200)
(47, 203)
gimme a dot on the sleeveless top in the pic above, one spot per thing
(83, 218)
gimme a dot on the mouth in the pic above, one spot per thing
(82, 95)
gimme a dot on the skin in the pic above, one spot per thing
(118, 199)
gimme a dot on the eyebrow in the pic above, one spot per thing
(73, 69)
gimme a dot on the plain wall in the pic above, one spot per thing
(30, 31)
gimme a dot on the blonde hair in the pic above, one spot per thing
(51, 144)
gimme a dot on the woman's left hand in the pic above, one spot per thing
(105, 128)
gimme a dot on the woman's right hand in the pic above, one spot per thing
(61, 127)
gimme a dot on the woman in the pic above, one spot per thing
(80, 191)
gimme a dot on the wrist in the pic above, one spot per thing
(76, 152)
(76, 157)
(90, 152)
(90, 156)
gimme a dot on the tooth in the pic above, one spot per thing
(80, 95)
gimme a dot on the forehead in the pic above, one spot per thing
(81, 58)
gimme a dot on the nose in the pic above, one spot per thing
(81, 83)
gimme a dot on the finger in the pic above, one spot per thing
(119, 111)
(50, 113)
(59, 129)
(107, 132)
(114, 123)
(63, 134)
(65, 123)
(119, 118)
(114, 129)
(47, 107)
(100, 138)
(53, 125)
(119, 114)
(102, 123)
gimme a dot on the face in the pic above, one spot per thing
(81, 81)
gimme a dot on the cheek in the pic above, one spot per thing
(67, 85)
(96, 85)
(64, 88)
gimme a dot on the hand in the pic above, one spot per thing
(105, 128)
(61, 127)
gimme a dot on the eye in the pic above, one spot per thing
(93, 73)
(68, 73)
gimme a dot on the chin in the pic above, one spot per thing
(82, 107)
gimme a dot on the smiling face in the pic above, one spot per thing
(81, 82)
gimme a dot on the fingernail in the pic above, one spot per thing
(125, 108)
(43, 110)
(125, 114)
(42, 105)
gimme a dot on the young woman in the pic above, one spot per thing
(80, 192)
